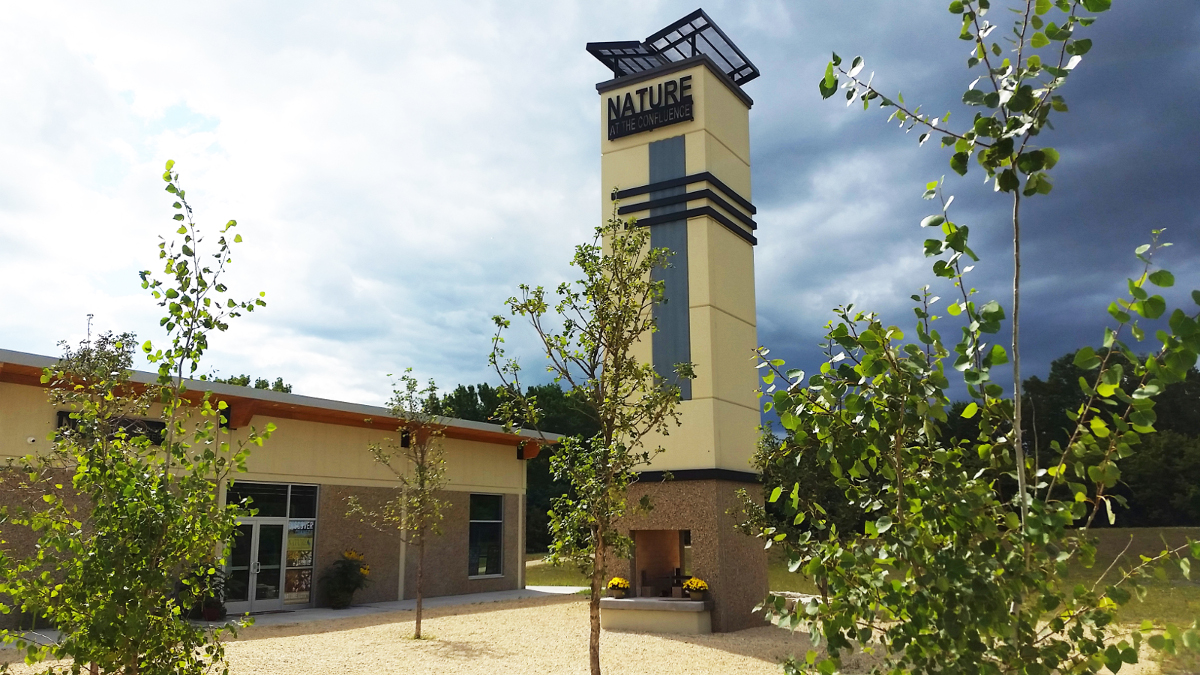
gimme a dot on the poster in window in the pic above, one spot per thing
(297, 585)
(300, 543)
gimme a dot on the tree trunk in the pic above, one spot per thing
(1018, 441)
(594, 608)
(420, 582)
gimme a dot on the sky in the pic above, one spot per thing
(398, 168)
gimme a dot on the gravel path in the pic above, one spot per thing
(542, 636)
(535, 636)
(525, 636)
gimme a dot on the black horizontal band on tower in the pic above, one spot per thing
(694, 178)
(687, 197)
(701, 474)
(696, 213)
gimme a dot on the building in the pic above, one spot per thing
(300, 480)
(675, 152)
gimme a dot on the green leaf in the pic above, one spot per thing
(1042, 6)
(956, 7)
(1039, 40)
(883, 524)
(775, 494)
(1086, 359)
(856, 66)
(1097, 5)
(1162, 278)
(1079, 47)
(999, 357)
(970, 411)
(1008, 181)
(1152, 307)
(958, 162)
(1050, 156)
(828, 84)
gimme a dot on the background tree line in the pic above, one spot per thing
(1161, 483)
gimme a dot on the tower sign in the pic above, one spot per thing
(675, 154)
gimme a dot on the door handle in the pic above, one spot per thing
(256, 567)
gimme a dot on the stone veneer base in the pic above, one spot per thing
(733, 564)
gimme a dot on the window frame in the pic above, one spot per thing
(471, 521)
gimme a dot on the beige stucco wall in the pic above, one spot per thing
(298, 451)
(719, 424)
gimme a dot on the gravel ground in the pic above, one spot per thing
(541, 635)
(524, 636)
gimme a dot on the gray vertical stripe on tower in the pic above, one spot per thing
(672, 343)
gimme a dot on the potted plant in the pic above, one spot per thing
(344, 577)
(618, 587)
(207, 593)
(696, 588)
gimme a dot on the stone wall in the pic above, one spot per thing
(337, 532)
(733, 564)
(446, 555)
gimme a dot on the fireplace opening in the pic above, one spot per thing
(662, 561)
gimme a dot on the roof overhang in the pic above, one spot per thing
(245, 403)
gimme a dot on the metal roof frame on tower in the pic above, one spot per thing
(693, 35)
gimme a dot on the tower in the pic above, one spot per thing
(675, 146)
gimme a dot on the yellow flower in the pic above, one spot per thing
(695, 584)
(366, 570)
(619, 583)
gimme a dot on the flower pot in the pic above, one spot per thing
(616, 593)
(697, 595)
(340, 600)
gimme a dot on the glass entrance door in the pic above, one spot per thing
(255, 570)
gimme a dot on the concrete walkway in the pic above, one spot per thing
(299, 616)
(325, 614)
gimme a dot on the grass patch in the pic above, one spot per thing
(549, 575)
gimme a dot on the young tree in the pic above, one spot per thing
(1018, 94)
(593, 355)
(418, 462)
(949, 573)
(128, 507)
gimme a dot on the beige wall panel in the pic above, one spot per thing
(726, 166)
(713, 434)
(737, 435)
(482, 466)
(724, 115)
(690, 445)
(720, 269)
(24, 412)
(732, 272)
(623, 169)
(704, 386)
(728, 349)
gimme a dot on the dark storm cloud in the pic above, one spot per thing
(398, 168)
(839, 191)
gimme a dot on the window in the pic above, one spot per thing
(487, 527)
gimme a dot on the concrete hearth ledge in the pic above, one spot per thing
(656, 615)
(656, 604)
